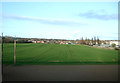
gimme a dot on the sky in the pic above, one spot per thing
(60, 20)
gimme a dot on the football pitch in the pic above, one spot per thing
(57, 54)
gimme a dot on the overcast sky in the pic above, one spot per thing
(60, 20)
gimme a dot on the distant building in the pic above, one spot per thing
(42, 41)
(34, 41)
(70, 43)
(114, 42)
(62, 43)
(37, 41)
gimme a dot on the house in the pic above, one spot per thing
(104, 45)
(42, 41)
(34, 41)
(114, 42)
(66, 43)
(70, 43)
(37, 41)
(62, 43)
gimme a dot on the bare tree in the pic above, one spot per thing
(82, 41)
(94, 40)
(88, 41)
(98, 41)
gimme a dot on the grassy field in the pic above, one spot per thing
(29, 53)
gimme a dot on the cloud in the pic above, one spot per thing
(53, 21)
(100, 15)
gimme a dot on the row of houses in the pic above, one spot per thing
(62, 41)
(52, 41)
(109, 43)
(102, 43)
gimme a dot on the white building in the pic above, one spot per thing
(114, 42)
(34, 41)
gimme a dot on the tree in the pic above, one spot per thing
(113, 45)
(82, 41)
(88, 41)
(98, 41)
(7, 40)
(94, 40)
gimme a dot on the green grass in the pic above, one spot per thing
(55, 54)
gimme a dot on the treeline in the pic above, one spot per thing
(86, 41)
(92, 41)
(19, 40)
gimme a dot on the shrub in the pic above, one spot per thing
(113, 45)
(116, 48)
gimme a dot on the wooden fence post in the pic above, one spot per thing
(14, 51)
(2, 54)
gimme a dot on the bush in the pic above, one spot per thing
(116, 48)
(113, 45)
